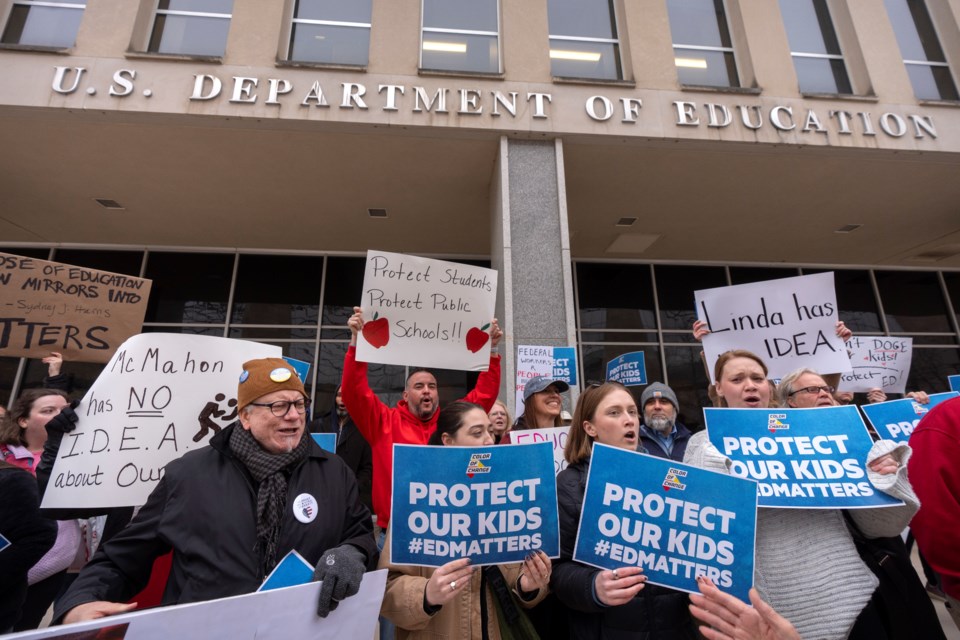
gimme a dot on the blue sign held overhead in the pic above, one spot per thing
(628, 369)
(565, 364)
(896, 420)
(801, 458)
(675, 521)
(491, 504)
(327, 441)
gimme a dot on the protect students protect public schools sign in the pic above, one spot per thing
(675, 521)
(491, 504)
(161, 395)
(82, 313)
(424, 312)
(801, 458)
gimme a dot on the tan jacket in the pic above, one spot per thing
(459, 619)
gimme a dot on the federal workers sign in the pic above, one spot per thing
(491, 504)
(802, 458)
(675, 521)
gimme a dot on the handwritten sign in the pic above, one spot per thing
(491, 504)
(675, 521)
(896, 419)
(628, 369)
(802, 458)
(278, 614)
(556, 436)
(431, 313)
(161, 395)
(878, 362)
(83, 313)
(789, 323)
(954, 382)
(559, 363)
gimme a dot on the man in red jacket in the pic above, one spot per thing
(934, 470)
(412, 420)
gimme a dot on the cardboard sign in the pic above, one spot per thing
(424, 312)
(878, 362)
(289, 572)
(896, 419)
(491, 504)
(675, 521)
(82, 313)
(559, 363)
(790, 323)
(161, 395)
(556, 436)
(954, 382)
(802, 458)
(628, 369)
(278, 614)
(326, 441)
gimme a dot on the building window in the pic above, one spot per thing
(815, 47)
(331, 32)
(922, 54)
(43, 24)
(702, 48)
(461, 35)
(583, 39)
(191, 27)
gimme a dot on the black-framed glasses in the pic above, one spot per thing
(814, 390)
(281, 407)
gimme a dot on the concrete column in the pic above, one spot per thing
(531, 251)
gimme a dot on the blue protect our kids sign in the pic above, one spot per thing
(491, 504)
(628, 369)
(802, 458)
(675, 521)
(896, 420)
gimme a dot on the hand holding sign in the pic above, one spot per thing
(619, 586)
(448, 581)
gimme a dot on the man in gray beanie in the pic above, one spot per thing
(660, 434)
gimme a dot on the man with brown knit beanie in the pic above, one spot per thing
(231, 511)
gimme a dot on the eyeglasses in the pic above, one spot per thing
(814, 390)
(281, 407)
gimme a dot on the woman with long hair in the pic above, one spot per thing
(458, 600)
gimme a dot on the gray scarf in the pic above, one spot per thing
(270, 471)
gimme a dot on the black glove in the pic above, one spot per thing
(65, 421)
(341, 570)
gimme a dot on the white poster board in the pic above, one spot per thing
(789, 322)
(159, 396)
(424, 312)
(278, 614)
(555, 435)
(881, 362)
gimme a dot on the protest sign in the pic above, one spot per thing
(896, 419)
(4, 543)
(326, 441)
(278, 614)
(790, 323)
(954, 382)
(431, 313)
(802, 458)
(302, 368)
(161, 395)
(559, 363)
(879, 362)
(628, 369)
(82, 313)
(557, 436)
(491, 504)
(289, 572)
(675, 521)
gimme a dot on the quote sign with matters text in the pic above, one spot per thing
(896, 419)
(82, 313)
(491, 504)
(160, 396)
(675, 521)
(881, 362)
(789, 323)
(424, 312)
(801, 458)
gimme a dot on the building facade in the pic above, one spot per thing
(607, 157)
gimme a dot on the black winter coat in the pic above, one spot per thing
(652, 446)
(657, 613)
(204, 509)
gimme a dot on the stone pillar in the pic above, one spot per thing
(531, 251)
